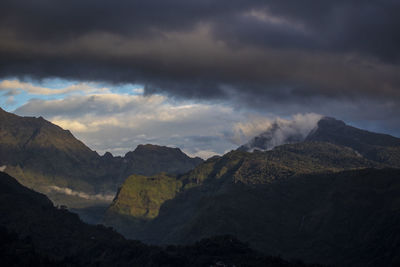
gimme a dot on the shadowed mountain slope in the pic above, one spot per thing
(348, 218)
(45, 150)
(34, 233)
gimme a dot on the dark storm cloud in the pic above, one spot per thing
(60, 20)
(368, 27)
(279, 51)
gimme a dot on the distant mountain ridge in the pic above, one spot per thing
(51, 160)
(374, 146)
(326, 129)
(336, 131)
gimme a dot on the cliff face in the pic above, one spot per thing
(142, 197)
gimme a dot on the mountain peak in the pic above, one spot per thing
(336, 131)
(154, 148)
(330, 121)
(374, 146)
(151, 159)
(108, 155)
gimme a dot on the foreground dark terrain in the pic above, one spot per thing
(34, 233)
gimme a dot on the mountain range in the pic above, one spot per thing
(375, 146)
(49, 159)
(332, 199)
(326, 194)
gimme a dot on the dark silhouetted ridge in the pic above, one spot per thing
(336, 131)
(374, 146)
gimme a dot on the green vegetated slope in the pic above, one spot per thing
(51, 160)
(148, 194)
(35, 233)
(141, 197)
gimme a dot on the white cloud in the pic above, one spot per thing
(139, 91)
(70, 192)
(119, 122)
(267, 17)
(204, 154)
(256, 125)
(244, 130)
(282, 131)
(72, 125)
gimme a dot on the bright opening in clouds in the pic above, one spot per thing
(117, 118)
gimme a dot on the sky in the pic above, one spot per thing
(204, 76)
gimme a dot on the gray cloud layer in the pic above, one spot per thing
(262, 54)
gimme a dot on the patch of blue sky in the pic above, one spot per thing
(57, 83)
(129, 89)
(21, 97)
(10, 103)
(53, 83)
